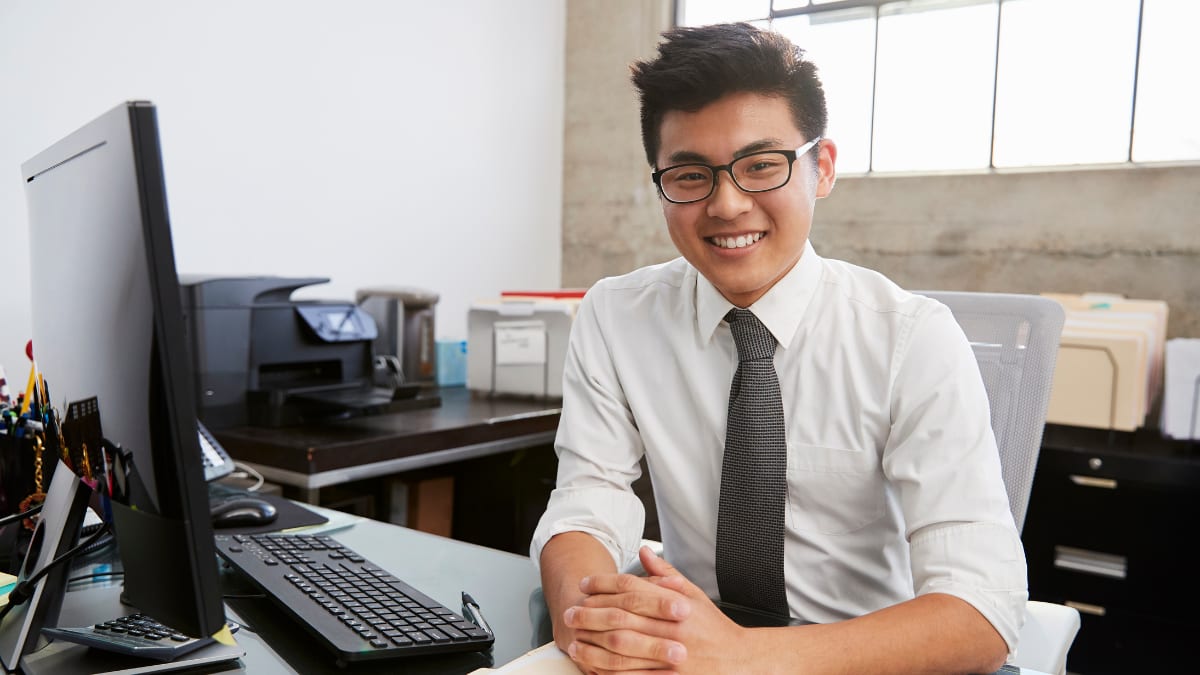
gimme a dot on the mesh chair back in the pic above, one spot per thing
(1015, 339)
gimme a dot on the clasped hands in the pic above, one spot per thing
(661, 623)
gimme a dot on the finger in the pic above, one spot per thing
(628, 650)
(654, 602)
(665, 574)
(656, 566)
(649, 671)
(613, 618)
(613, 583)
(652, 671)
(676, 583)
(594, 658)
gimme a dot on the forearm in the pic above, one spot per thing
(567, 558)
(934, 633)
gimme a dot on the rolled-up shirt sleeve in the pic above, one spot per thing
(980, 563)
(943, 460)
(598, 448)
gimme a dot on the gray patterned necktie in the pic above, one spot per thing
(750, 524)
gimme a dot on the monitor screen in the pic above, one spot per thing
(107, 323)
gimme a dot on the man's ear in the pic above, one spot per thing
(826, 167)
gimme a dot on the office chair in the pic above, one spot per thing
(1015, 339)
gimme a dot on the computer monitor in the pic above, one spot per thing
(107, 323)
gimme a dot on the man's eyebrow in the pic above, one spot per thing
(756, 146)
(688, 156)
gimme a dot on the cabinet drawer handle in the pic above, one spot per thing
(1091, 481)
(1094, 610)
(1090, 562)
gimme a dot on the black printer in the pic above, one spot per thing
(264, 359)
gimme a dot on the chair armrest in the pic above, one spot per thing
(1046, 637)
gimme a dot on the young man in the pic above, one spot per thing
(888, 532)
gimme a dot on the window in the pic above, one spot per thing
(1064, 96)
(842, 44)
(930, 85)
(933, 95)
(1166, 125)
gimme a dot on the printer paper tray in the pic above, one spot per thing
(281, 407)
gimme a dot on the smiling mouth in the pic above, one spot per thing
(740, 241)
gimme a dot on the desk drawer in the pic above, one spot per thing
(1143, 590)
(1131, 643)
(1106, 539)
(1111, 526)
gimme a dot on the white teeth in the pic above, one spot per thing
(737, 242)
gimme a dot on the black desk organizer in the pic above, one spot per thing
(1113, 523)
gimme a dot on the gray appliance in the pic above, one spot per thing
(404, 316)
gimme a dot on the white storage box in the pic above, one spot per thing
(518, 347)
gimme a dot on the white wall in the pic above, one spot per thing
(369, 141)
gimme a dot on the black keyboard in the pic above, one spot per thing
(136, 634)
(358, 610)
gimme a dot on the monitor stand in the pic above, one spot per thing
(56, 532)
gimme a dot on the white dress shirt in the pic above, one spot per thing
(894, 484)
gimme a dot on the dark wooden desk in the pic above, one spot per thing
(463, 465)
(312, 456)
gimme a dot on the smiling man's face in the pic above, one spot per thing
(741, 242)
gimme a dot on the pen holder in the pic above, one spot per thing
(20, 482)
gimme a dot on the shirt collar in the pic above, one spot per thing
(780, 309)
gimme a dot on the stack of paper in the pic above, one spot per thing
(1110, 361)
(545, 660)
(1181, 389)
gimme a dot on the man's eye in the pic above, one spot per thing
(689, 176)
(762, 165)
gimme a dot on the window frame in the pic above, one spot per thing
(830, 6)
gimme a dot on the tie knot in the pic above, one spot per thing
(752, 338)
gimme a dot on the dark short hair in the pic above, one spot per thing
(696, 66)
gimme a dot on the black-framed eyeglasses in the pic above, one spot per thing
(761, 171)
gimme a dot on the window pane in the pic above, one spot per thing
(933, 92)
(703, 12)
(1167, 125)
(842, 45)
(1065, 86)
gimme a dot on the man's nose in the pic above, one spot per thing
(728, 200)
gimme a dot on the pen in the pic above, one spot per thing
(471, 609)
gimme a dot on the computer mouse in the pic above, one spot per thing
(241, 511)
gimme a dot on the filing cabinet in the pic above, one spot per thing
(1112, 526)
